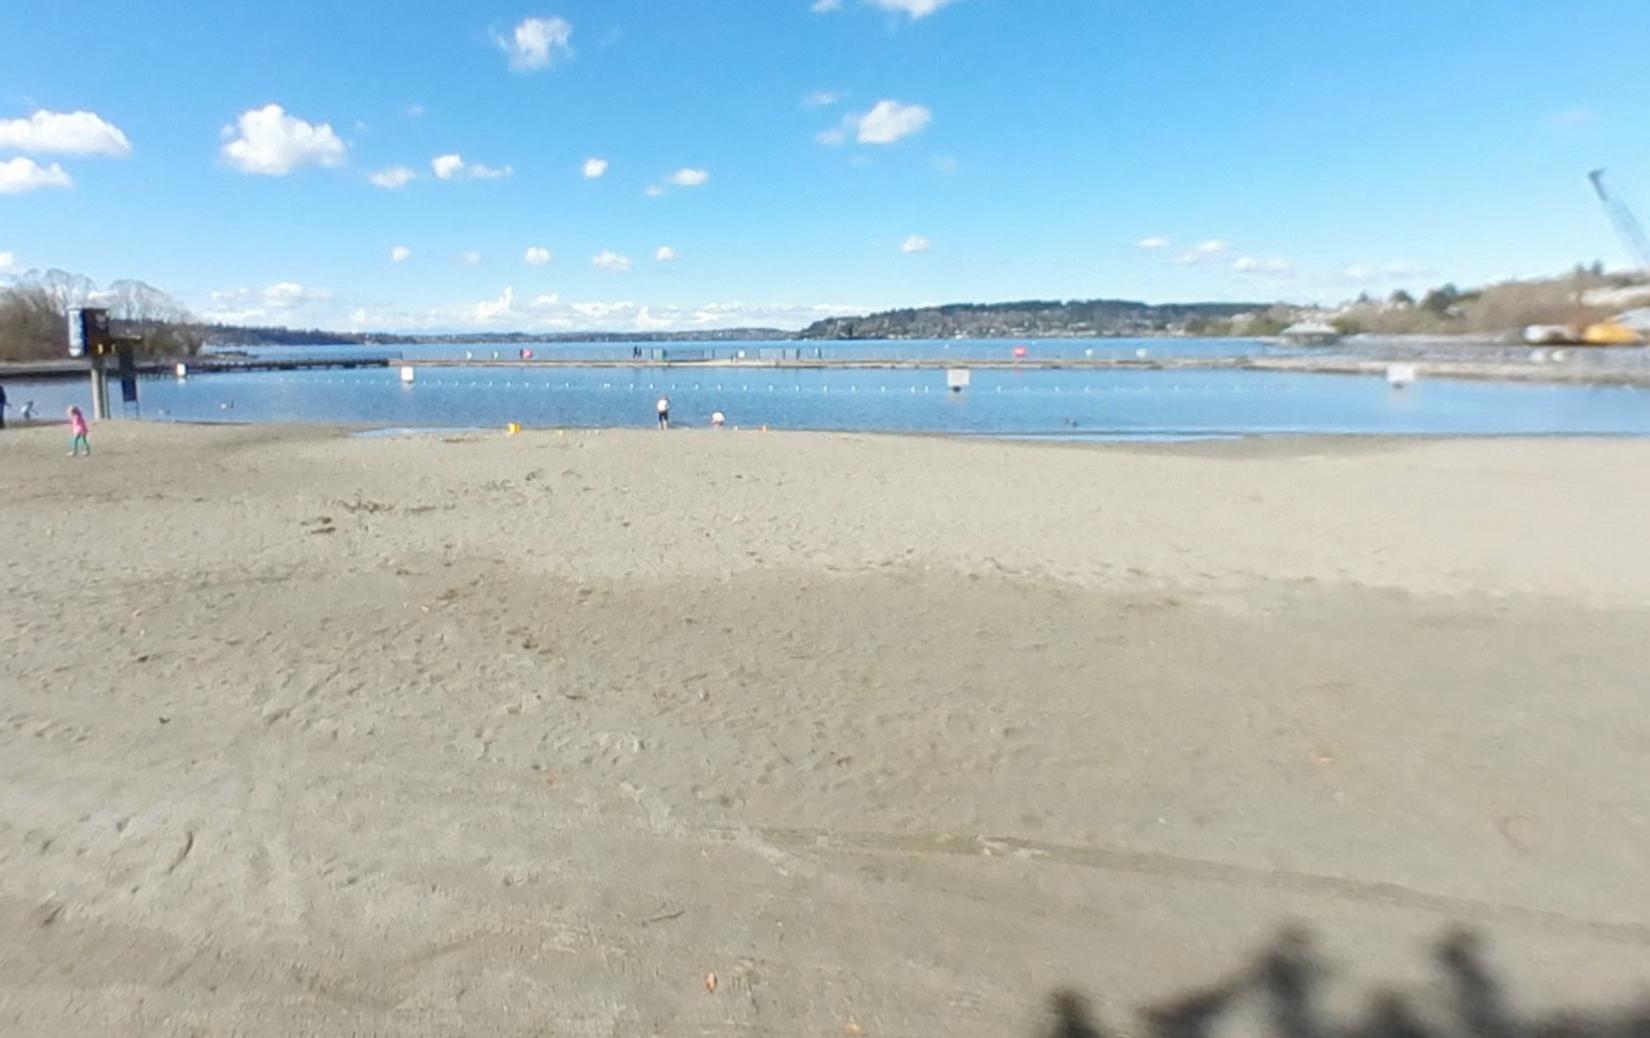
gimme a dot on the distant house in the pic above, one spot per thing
(1310, 333)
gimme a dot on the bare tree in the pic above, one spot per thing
(34, 310)
(142, 309)
(31, 325)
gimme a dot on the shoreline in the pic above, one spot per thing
(1566, 371)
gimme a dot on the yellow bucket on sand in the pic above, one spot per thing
(512, 428)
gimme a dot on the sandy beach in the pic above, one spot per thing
(304, 733)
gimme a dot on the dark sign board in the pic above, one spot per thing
(88, 332)
(128, 374)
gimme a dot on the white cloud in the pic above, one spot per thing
(916, 243)
(821, 99)
(24, 174)
(284, 294)
(1202, 251)
(413, 111)
(64, 133)
(535, 43)
(400, 254)
(914, 8)
(653, 191)
(537, 256)
(269, 142)
(493, 309)
(447, 167)
(1369, 273)
(1264, 266)
(8, 262)
(607, 259)
(548, 312)
(245, 315)
(392, 178)
(453, 167)
(594, 168)
(291, 293)
(1153, 243)
(825, 6)
(688, 177)
(890, 121)
(628, 315)
(833, 137)
(666, 254)
(469, 259)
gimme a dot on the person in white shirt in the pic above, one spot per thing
(663, 407)
(718, 419)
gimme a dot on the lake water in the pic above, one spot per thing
(1107, 404)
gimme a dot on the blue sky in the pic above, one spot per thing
(803, 161)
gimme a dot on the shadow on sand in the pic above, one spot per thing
(1281, 990)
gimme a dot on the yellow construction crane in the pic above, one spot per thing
(1614, 333)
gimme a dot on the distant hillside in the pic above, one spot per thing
(1033, 319)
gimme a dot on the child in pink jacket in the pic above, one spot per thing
(77, 426)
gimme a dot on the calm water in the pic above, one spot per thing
(1095, 404)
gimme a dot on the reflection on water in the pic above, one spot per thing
(1059, 404)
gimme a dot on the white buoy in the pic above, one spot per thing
(1400, 375)
(1538, 356)
(407, 375)
(1142, 353)
(183, 371)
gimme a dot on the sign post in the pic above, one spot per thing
(89, 336)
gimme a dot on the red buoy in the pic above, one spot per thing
(1019, 352)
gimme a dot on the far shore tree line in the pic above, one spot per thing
(34, 310)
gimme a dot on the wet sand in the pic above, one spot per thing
(307, 734)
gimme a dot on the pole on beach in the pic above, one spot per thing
(100, 389)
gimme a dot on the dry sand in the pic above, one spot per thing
(306, 734)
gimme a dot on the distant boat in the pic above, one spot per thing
(1311, 333)
(1550, 335)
